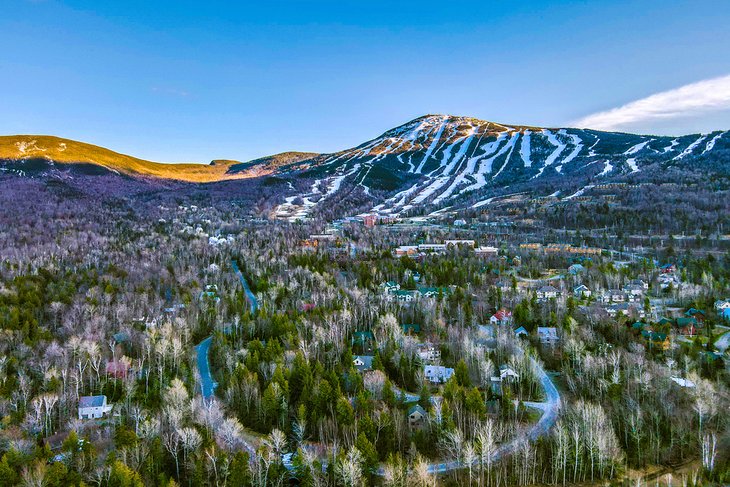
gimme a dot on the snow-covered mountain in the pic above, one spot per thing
(440, 161)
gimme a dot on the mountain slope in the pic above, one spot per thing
(24, 152)
(438, 160)
(427, 165)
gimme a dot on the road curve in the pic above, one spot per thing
(550, 408)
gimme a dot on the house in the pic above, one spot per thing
(576, 269)
(411, 328)
(117, 369)
(722, 305)
(402, 296)
(93, 407)
(521, 332)
(363, 362)
(416, 416)
(210, 293)
(634, 290)
(437, 374)
(656, 339)
(547, 335)
(456, 243)
(501, 317)
(614, 296)
(666, 280)
(389, 287)
(697, 314)
(639, 326)
(507, 373)
(486, 251)
(668, 269)
(432, 292)
(406, 250)
(639, 283)
(428, 352)
(686, 326)
(626, 309)
(581, 291)
(547, 292)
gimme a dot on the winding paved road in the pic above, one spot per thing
(207, 384)
(550, 408)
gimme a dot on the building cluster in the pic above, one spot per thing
(440, 248)
(559, 248)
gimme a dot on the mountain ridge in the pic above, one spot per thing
(428, 163)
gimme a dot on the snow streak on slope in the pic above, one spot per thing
(711, 144)
(631, 161)
(554, 155)
(485, 165)
(525, 149)
(674, 143)
(580, 192)
(607, 168)
(578, 147)
(637, 148)
(432, 147)
(690, 148)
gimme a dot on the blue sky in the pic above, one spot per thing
(193, 81)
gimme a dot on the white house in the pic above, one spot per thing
(428, 352)
(363, 362)
(547, 292)
(722, 304)
(501, 317)
(486, 251)
(507, 373)
(437, 374)
(581, 291)
(389, 286)
(547, 335)
(93, 407)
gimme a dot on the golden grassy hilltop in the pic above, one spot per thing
(65, 151)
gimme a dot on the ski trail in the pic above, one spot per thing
(432, 147)
(578, 147)
(690, 148)
(512, 144)
(711, 144)
(525, 149)
(493, 150)
(607, 168)
(671, 146)
(631, 161)
(554, 155)
(591, 152)
(636, 148)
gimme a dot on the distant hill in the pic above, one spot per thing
(15, 150)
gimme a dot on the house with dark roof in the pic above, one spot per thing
(547, 292)
(411, 328)
(93, 407)
(363, 362)
(656, 340)
(416, 416)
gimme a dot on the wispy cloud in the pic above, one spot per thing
(686, 101)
